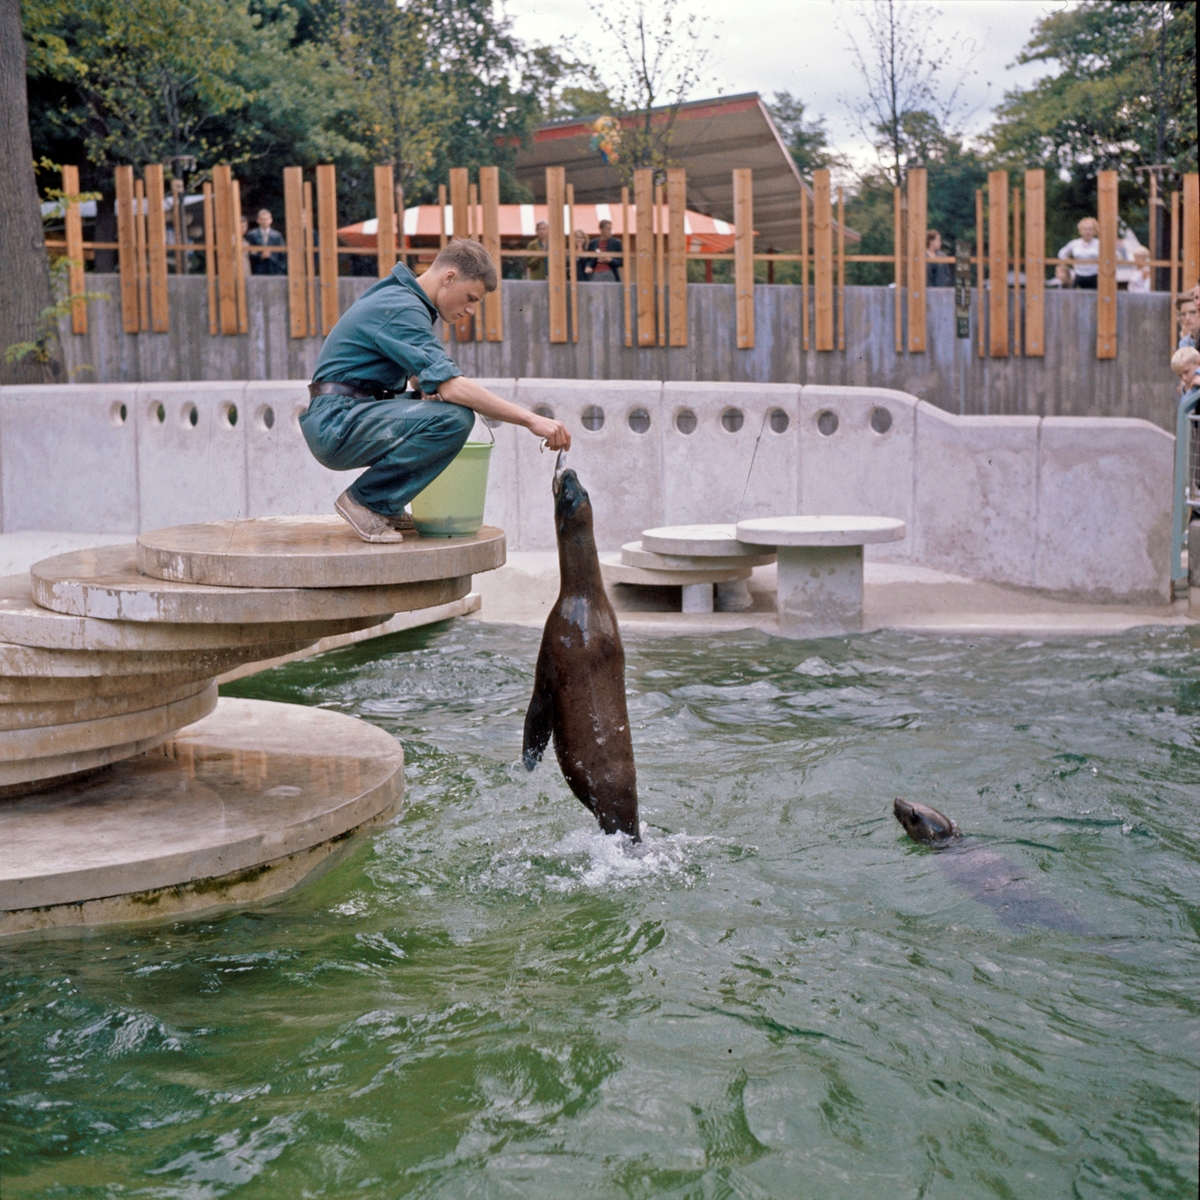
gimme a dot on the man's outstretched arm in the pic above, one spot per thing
(476, 397)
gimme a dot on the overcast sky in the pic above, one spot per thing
(801, 46)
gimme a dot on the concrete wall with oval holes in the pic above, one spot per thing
(1070, 505)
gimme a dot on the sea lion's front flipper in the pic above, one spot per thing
(539, 716)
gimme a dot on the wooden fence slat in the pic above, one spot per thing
(156, 245)
(917, 258)
(804, 328)
(73, 222)
(1106, 283)
(178, 222)
(898, 268)
(311, 284)
(823, 254)
(475, 231)
(127, 251)
(660, 266)
(841, 256)
(1191, 230)
(677, 282)
(626, 265)
(385, 219)
(139, 246)
(998, 264)
(226, 239)
(327, 256)
(489, 194)
(210, 259)
(556, 265)
(461, 224)
(240, 259)
(743, 255)
(643, 199)
(979, 288)
(1016, 271)
(1035, 263)
(572, 262)
(293, 217)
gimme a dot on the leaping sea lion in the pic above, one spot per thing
(579, 687)
(985, 875)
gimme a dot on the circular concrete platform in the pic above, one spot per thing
(615, 571)
(31, 714)
(239, 806)
(105, 584)
(634, 554)
(28, 624)
(710, 541)
(820, 531)
(308, 552)
(35, 690)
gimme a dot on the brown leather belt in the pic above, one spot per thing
(348, 389)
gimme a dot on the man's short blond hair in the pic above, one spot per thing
(470, 260)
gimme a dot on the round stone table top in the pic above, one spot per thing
(820, 531)
(25, 623)
(634, 554)
(708, 541)
(308, 552)
(616, 571)
(105, 583)
(249, 785)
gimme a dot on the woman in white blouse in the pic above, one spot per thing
(1083, 253)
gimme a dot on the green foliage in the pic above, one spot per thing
(807, 140)
(43, 349)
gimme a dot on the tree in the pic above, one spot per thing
(903, 63)
(807, 140)
(23, 263)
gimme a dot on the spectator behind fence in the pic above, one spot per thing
(937, 274)
(607, 267)
(264, 262)
(1084, 254)
(536, 268)
(583, 264)
(1186, 364)
(1189, 320)
(1140, 281)
(1064, 277)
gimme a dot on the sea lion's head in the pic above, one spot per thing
(572, 508)
(924, 824)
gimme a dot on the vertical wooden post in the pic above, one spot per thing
(556, 267)
(401, 236)
(227, 235)
(210, 259)
(1106, 283)
(74, 230)
(1191, 230)
(1035, 263)
(311, 286)
(1174, 268)
(743, 255)
(139, 244)
(898, 267)
(979, 288)
(239, 258)
(178, 220)
(126, 249)
(1016, 270)
(841, 250)
(293, 216)
(1154, 206)
(823, 253)
(660, 270)
(626, 265)
(327, 245)
(677, 256)
(998, 263)
(489, 191)
(572, 262)
(460, 201)
(804, 331)
(475, 231)
(442, 239)
(156, 244)
(918, 258)
(385, 220)
(643, 199)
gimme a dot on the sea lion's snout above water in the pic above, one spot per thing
(924, 824)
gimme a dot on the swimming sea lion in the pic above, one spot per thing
(579, 686)
(984, 874)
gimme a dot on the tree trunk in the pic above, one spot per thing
(23, 263)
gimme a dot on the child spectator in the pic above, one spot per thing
(1141, 276)
(1186, 364)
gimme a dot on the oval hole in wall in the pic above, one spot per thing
(544, 410)
(732, 419)
(266, 417)
(118, 414)
(191, 414)
(685, 421)
(827, 423)
(231, 415)
(639, 420)
(593, 417)
(158, 413)
(779, 421)
(881, 420)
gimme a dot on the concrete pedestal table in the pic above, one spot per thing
(703, 548)
(820, 568)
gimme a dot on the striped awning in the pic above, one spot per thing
(518, 222)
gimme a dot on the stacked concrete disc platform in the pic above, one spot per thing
(109, 659)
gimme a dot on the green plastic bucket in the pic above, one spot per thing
(452, 505)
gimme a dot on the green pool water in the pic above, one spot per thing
(778, 996)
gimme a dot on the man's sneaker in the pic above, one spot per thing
(369, 526)
(403, 522)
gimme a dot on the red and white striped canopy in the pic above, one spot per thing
(518, 222)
